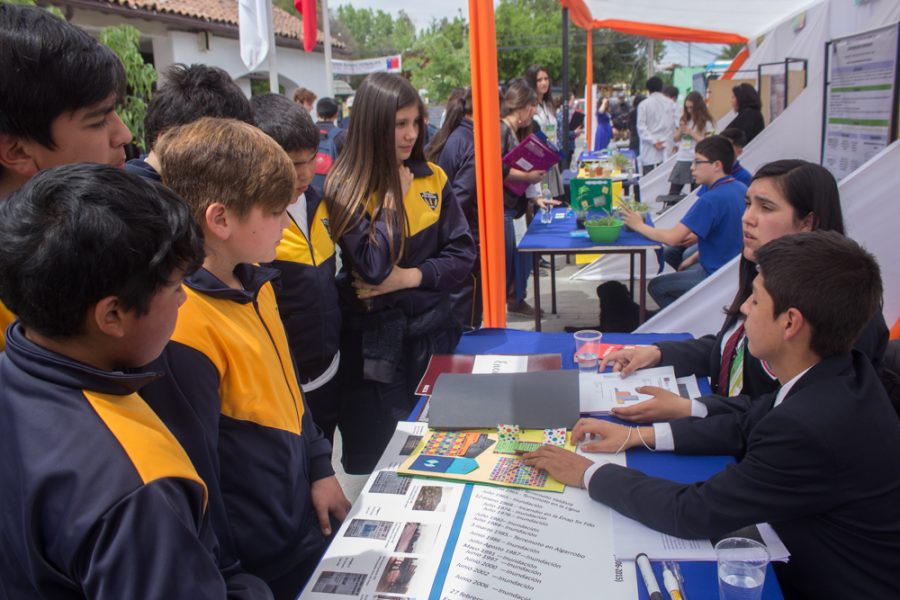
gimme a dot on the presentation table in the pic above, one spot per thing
(382, 551)
(556, 238)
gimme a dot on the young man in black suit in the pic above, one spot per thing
(822, 461)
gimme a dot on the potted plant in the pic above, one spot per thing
(605, 229)
(637, 207)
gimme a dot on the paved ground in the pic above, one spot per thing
(576, 306)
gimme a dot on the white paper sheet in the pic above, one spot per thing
(600, 392)
(524, 544)
(631, 538)
(496, 363)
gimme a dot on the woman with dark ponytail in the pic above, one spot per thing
(453, 148)
(785, 197)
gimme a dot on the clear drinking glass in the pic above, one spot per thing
(587, 350)
(742, 566)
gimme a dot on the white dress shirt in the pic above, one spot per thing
(654, 124)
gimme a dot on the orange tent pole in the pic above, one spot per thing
(489, 178)
(589, 95)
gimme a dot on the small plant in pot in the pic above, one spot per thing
(637, 207)
(604, 229)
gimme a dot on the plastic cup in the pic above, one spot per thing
(742, 566)
(587, 350)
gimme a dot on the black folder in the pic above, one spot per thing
(535, 400)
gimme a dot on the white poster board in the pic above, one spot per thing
(860, 98)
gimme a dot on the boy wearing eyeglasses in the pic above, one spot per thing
(713, 222)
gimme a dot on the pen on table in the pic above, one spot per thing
(649, 578)
(670, 581)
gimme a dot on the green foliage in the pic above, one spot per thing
(376, 32)
(124, 40)
(730, 51)
(530, 32)
(440, 58)
(604, 221)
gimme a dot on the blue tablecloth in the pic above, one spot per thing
(701, 580)
(556, 236)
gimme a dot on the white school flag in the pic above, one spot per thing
(254, 25)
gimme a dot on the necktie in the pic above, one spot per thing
(732, 363)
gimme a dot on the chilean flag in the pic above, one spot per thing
(307, 8)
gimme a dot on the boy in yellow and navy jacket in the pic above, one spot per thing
(58, 92)
(229, 356)
(306, 259)
(99, 498)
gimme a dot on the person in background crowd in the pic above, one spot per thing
(545, 117)
(305, 98)
(327, 110)
(344, 121)
(516, 119)
(671, 92)
(746, 103)
(604, 133)
(694, 125)
(405, 245)
(654, 126)
(453, 148)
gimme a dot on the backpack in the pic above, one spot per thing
(325, 156)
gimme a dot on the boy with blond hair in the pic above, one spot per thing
(229, 357)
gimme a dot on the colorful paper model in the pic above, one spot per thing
(555, 437)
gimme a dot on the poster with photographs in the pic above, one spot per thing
(391, 544)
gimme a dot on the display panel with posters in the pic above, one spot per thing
(860, 98)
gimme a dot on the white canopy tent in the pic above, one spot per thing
(794, 134)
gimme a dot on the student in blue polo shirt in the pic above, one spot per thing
(715, 219)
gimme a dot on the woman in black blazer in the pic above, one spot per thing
(745, 101)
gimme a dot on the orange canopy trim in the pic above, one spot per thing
(581, 16)
(665, 32)
(737, 62)
(579, 13)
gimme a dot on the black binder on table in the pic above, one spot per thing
(534, 400)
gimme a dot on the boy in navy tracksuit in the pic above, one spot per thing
(229, 357)
(58, 91)
(99, 498)
(187, 93)
(306, 260)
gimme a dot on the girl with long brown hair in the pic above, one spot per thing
(695, 124)
(405, 245)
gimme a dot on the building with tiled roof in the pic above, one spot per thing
(206, 31)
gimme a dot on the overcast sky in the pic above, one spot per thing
(422, 12)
